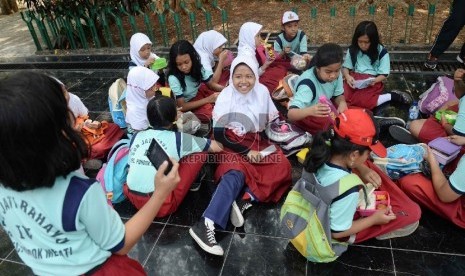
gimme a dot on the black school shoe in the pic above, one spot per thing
(205, 238)
(402, 97)
(402, 135)
(198, 181)
(384, 122)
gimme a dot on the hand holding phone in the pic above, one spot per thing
(157, 155)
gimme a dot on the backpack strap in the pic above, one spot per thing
(280, 42)
(301, 36)
(382, 53)
(310, 84)
(178, 143)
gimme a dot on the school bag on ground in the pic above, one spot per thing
(117, 102)
(437, 95)
(402, 159)
(305, 216)
(288, 136)
(113, 174)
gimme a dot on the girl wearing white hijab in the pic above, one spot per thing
(141, 51)
(245, 174)
(271, 71)
(142, 86)
(209, 45)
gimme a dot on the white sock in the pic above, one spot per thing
(210, 224)
(383, 98)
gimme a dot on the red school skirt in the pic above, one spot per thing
(118, 265)
(433, 129)
(420, 189)
(363, 98)
(269, 179)
(189, 168)
(314, 124)
(274, 73)
(406, 210)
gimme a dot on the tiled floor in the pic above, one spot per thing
(436, 248)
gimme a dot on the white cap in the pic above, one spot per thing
(289, 16)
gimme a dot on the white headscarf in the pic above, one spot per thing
(140, 79)
(244, 113)
(138, 40)
(205, 44)
(247, 35)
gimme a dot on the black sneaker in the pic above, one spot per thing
(205, 238)
(198, 181)
(405, 97)
(238, 208)
(402, 135)
(384, 122)
(431, 62)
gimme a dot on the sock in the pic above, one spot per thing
(384, 98)
(396, 97)
(210, 224)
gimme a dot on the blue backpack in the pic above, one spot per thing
(117, 102)
(113, 174)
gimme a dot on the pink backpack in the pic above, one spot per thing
(437, 95)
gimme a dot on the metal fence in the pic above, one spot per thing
(401, 22)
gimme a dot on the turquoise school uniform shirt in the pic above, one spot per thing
(363, 64)
(342, 211)
(298, 44)
(306, 97)
(459, 126)
(192, 87)
(66, 229)
(141, 173)
(457, 178)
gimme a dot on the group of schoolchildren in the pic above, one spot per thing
(43, 191)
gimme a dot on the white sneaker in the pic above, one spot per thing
(401, 232)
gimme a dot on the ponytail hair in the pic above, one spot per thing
(161, 112)
(326, 144)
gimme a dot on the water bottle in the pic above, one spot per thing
(413, 113)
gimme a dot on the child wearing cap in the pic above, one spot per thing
(291, 40)
(339, 153)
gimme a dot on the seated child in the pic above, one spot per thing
(322, 79)
(100, 136)
(367, 58)
(291, 40)
(142, 86)
(343, 150)
(442, 196)
(270, 71)
(141, 54)
(61, 210)
(241, 113)
(185, 76)
(210, 44)
(188, 149)
(429, 129)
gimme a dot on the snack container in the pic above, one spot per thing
(159, 63)
(298, 62)
(382, 201)
(444, 150)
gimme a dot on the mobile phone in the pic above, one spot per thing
(267, 151)
(157, 155)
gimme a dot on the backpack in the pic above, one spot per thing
(437, 95)
(113, 174)
(402, 159)
(117, 102)
(289, 137)
(305, 216)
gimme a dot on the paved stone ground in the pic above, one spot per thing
(15, 39)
